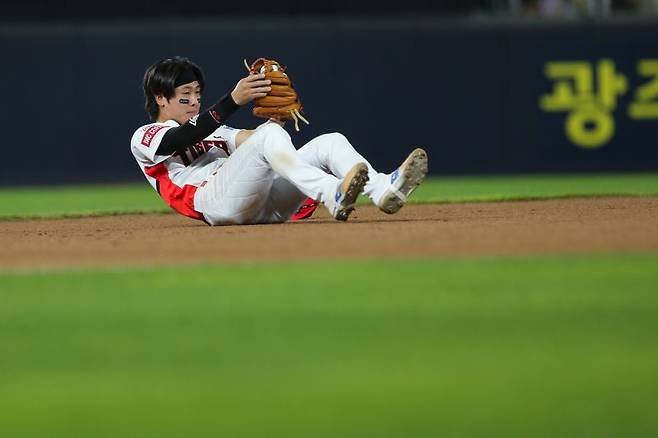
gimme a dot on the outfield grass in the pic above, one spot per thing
(542, 346)
(138, 198)
(502, 188)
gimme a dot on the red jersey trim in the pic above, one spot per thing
(180, 199)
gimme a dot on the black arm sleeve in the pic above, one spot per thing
(196, 130)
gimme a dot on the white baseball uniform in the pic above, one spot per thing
(265, 180)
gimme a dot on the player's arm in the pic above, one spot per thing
(195, 130)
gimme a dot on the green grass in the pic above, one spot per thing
(140, 197)
(500, 188)
(541, 346)
(79, 200)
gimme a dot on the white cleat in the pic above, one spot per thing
(404, 181)
(348, 191)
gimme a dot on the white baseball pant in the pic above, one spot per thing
(266, 179)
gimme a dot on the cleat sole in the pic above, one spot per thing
(354, 189)
(414, 170)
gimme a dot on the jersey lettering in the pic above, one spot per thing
(221, 144)
(150, 133)
(183, 157)
(191, 153)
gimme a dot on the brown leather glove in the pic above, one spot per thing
(282, 102)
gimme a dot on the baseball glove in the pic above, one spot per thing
(281, 102)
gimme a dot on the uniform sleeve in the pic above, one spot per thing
(229, 134)
(198, 127)
(146, 140)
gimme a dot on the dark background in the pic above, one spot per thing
(466, 89)
(47, 10)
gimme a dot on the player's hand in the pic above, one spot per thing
(250, 88)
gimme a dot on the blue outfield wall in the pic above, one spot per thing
(481, 98)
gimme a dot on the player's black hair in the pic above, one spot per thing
(160, 79)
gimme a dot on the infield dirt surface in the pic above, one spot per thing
(563, 226)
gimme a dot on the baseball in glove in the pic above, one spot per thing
(282, 102)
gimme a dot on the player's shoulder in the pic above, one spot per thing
(145, 133)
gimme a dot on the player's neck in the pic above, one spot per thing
(162, 118)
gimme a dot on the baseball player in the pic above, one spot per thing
(206, 170)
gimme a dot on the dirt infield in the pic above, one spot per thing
(504, 228)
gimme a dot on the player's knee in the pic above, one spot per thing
(273, 129)
(338, 139)
(335, 137)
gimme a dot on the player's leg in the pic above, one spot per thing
(240, 189)
(329, 152)
(237, 191)
(283, 202)
(338, 195)
(335, 154)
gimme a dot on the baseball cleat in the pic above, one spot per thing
(404, 181)
(348, 191)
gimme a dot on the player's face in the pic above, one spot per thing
(183, 106)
